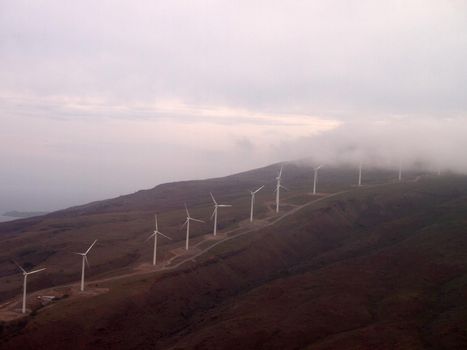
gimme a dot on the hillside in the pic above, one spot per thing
(122, 224)
(362, 268)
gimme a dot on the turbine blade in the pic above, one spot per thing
(156, 222)
(186, 209)
(14, 262)
(196, 220)
(285, 188)
(280, 172)
(213, 198)
(213, 213)
(86, 260)
(30, 273)
(87, 251)
(165, 236)
(77, 253)
(150, 236)
(259, 189)
(184, 224)
(224, 205)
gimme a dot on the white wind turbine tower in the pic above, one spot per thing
(187, 223)
(278, 188)
(214, 213)
(400, 171)
(85, 261)
(253, 193)
(155, 234)
(25, 282)
(315, 180)
(360, 175)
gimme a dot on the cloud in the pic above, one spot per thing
(157, 91)
(244, 145)
(365, 58)
(434, 143)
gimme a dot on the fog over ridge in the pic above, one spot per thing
(431, 143)
(101, 99)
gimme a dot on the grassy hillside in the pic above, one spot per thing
(380, 267)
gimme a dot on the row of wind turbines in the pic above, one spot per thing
(154, 235)
(189, 219)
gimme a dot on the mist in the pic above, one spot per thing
(425, 144)
(102, 99)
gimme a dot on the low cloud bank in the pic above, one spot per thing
(431, 143)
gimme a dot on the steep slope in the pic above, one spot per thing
(382, 267)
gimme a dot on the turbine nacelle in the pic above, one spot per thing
(188, 217)
(217, 205)
(214, 212)
(157, 232)
(280, 186)
(87, 251)
(256, 191)
(24, 272)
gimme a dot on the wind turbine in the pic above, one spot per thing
(253, 201)
(278, 188)
(214, 213)
(400, 172)
(25, 282)
(155, 234)
(315, 180)
(85, 261)
(187, 223)
(360, 175)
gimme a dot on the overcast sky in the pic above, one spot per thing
(101, 98)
